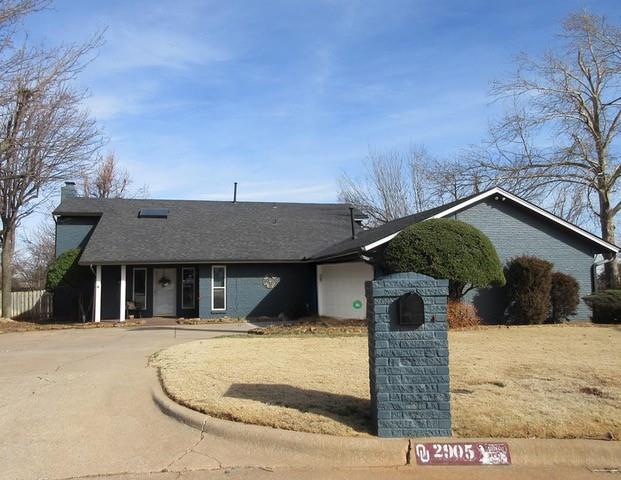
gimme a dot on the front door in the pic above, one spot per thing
(164, 292)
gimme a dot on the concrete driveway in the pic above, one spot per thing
(78, 402)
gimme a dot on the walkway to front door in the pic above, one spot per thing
(165, 291)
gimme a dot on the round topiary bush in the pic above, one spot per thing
(443, 248)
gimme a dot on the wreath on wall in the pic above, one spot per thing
(164, 281)
(270, 281)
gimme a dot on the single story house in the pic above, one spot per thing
(259, 259)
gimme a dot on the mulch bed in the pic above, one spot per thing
(314, 326)
(10, 326)
(209, 321)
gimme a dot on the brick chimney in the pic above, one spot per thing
(68, 190)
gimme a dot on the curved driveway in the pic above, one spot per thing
(77, 402)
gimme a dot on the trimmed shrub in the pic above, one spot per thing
(606, 306)
(529, 281)
(564, 296)
(462, 315)
(443, 248)
(72, 286)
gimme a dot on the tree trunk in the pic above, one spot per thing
(8, 245)
(456, 290)
(607, 223)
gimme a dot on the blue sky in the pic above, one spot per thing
(283, 96)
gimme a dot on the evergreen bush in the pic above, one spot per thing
(606, 306)
(564, 296)
(444, 248)
(529, 282)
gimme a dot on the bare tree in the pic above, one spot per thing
(451, 180)
(11, 12)
(392, 186)
(560, 137)
(110, 180)
(46, 136)
(31, 264)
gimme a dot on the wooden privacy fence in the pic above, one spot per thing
(31, 305)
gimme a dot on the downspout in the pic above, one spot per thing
(594, 273)
(55, 235)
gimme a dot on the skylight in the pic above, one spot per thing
(153, 213)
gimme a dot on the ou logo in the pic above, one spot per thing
(422, 453)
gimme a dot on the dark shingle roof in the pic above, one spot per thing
(200, 231)
(209, 231)
(352, 246)
(372, 235)
(367, 237)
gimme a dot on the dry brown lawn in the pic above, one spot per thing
(540, 381)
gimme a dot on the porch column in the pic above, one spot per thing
(98, 293)
(123, 290)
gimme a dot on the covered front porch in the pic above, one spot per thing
(144, 291)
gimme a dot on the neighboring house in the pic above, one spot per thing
(257, 259)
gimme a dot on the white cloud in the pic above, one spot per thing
(106, 106)
(134, 46)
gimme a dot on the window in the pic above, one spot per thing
(187, 285)
(218, 287)
(140, 288)
(153, 213)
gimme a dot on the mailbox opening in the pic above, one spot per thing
(411, 310)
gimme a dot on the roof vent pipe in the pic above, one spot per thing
(234, 192)
(353, 224)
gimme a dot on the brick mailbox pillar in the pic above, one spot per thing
(408, 355)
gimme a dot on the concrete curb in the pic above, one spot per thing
(360, 451)
(327, 449)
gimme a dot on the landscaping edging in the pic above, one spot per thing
(359, 451)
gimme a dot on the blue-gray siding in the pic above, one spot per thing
(246, 296)
(73, 232)
(294, 295)
(516, 231)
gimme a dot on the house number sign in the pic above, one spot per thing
(474, 453)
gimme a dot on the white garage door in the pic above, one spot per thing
(340, 289)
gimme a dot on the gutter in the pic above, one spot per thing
(302, 260)
(356, 251)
